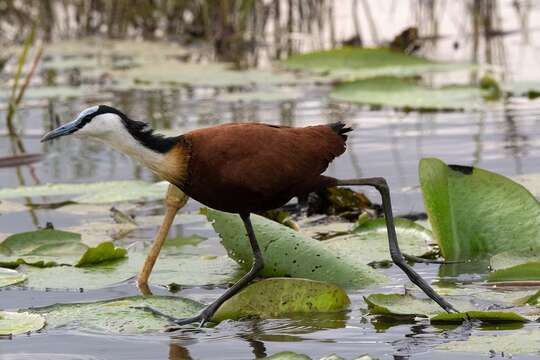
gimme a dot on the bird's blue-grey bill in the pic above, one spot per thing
(63, 130)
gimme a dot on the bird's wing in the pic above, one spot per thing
(265, 158)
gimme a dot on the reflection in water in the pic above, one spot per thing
(515, 143)
(177, 352)
(422, 337)
(477, 138)
(465, 272)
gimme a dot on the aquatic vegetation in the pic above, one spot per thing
(120, 316)
(16, 323)
(414, 239)
(477, 213)
(521, 342)
(10, 277)
(409, 94)
(289, 253)
(95, 193)
(278, 297)
(482, 316)
(49, 247)
(353, 63)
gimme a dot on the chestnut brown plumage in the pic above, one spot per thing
(254, 167)
(238, 168)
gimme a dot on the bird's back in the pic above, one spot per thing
(251, 167)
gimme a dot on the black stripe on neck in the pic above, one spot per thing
(143, 133)
(145, 136)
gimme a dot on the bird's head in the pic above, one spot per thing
(97, 122)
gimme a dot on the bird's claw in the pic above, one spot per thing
(203, 317)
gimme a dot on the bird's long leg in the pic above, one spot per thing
(395, 253)
(174, 201)
(207, 313)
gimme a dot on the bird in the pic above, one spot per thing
(239, 168)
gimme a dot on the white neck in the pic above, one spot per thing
(117, 136)
(132, 148)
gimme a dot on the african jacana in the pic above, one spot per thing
(237, 168)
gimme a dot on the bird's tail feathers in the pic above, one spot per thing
(340, 128)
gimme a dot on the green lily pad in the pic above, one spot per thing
(288, 253)
(524, 272)
(518, 265)
(49, 247)
(278, 297)
(481, 294)
(372, 235)
(171, 72)
(533, 299)
(180, 241)
(40, 241)
(530, 89)
(530, 181)
(400, 305)
(477, 213)
(287, 355)
(102, 253)
(269, 95)
(360, 63)
(41, 248)
(408, 94)
(10, 277)
(520, 342)
(15, 323)
(170, 269)
(119, 316)
(95, 193)
(483, 316)
(54, 92)
(9, 207)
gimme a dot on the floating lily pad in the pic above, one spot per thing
(530, 181)
(483, 316)
(9, 207)
(480, 294)
(181, 241)
(102, 253)
(530, 89)
(529, 271)
(10, 277)
(119, 316)
(369, 242)
(408, 94)
(49, 247)
(477, 213)
(53, 92)
(278, 297)
(268, 95)
(42, 248)
(15, 323)
(85, 47)
(533, 299)
(359, 63)
(287, 355)
(211, 75)
(400, 305)
(95, 193)
(288, 253)
(174, 269)
(522, 342)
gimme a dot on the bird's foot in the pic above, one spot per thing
(203, 317)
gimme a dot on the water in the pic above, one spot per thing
(384, 143)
